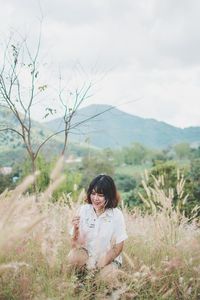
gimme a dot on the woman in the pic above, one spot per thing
(98, 230)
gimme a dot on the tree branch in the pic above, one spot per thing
(12, 129)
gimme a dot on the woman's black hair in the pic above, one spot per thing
(104, 184)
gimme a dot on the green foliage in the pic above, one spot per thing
(70, 186)
(43, 166)
(131, 199)
(160, 156)
(195, 171)
(11, 157)
(170, 173)
(195, 153)
(94, 165)
(193, 186)
(169, 170)
(182, 150)
(5, 182)
(126, 185)
(118, 156)
(43, 179)
(124, 182)
(165, 170)
(135, 154)
(156, 197)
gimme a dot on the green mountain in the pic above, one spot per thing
(111, 128)
(115, 129)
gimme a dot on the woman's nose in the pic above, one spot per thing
(95, 196)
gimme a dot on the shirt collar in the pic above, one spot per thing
(107, 213)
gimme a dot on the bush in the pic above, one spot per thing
(124, 182)
(5, 182)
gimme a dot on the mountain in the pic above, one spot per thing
(112, 128)
(115, 128)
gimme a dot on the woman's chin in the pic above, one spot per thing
(97, 208)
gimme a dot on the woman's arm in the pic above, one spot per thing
(110, 255)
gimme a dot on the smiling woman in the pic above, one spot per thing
(98, 231)
(98, 201)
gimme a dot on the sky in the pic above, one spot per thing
(142, 56)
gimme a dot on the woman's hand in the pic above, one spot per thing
(110, 255)
(76, 222)
(75, 234)
(102, 262)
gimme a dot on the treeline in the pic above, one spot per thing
(127, 166)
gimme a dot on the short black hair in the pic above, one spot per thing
(104, 184)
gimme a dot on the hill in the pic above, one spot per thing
(112, 128)
(12, 148)
(115, 128)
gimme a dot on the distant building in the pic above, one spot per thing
(6, 170)
(71, 159)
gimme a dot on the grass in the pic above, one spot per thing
(161, 255)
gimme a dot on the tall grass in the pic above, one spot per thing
(161, 255)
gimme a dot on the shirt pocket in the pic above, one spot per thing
(88, 228)
(106, 230)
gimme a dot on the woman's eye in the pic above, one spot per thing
(98, 195)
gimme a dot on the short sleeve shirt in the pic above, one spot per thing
(100, 233)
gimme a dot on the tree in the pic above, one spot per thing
(171, 174)
(195, 152)
(42, 165)
(125, 182)
(70, 108)
(193, 186)
(21, 88)
(136, 154)
(94, 165)
(182, 150)
(5, 182)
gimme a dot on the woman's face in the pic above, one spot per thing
(98, 201)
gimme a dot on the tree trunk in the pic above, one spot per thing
(33, 169)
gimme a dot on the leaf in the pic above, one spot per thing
(49, 111)
(42, 87)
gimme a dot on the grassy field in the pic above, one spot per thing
(161, 256)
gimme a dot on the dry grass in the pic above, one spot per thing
(161, 257)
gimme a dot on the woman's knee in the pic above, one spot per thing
(108, 275)
(78, 257)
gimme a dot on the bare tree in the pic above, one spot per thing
(20, 90)
(69, 112)
(78, 96)
(19, 65)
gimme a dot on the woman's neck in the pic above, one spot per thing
(99, 212)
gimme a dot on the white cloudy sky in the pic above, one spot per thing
(137, 49)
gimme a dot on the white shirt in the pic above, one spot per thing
(100, 233)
